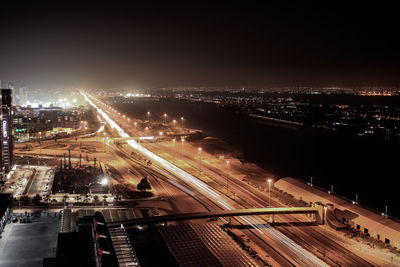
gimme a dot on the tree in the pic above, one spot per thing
(46, 198)
(24, 200)
(36, 199)
(95, 199)
(65, 197)
(117, 197)
(144, 185)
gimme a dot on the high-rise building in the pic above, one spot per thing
(7, 144)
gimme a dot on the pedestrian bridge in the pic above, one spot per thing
(215, 214)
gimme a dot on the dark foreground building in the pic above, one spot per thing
(5, 210)
(7, 144)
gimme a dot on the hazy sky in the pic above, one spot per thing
(148, 44)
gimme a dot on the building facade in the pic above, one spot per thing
(7, 144)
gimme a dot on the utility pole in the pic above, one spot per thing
(65, 161)
(69, 159)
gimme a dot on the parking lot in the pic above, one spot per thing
(26, 244)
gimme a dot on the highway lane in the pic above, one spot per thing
(299, 255)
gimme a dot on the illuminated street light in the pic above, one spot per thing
(269, 191)
(135, 123)
(165, 117)
(183, 141)
(325, 208)
(161, 133)
(173, 141)
(199, 154)
(104, 181)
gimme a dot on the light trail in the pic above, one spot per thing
(302, 256)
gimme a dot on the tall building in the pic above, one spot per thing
(7, 144)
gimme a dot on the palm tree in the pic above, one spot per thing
(36, 199)
(117, 197)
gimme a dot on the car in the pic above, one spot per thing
(25, 220)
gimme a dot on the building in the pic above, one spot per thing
(7, 144)
(5, 210)
(342, 211)
(204, 245)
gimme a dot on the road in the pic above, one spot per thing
(287, 247)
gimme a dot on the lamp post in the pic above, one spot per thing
(325, 207)
(269, 192)
(199, 154)
(165, 117)
(173, 142)
(183, 141)
(148, 115)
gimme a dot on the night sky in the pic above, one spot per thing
(147, 44)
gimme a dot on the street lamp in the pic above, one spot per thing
(199, 154)
(165, 117)
(325, 207)
(173, 141)
(104, 181)
(135, 123)
(183, 141)
(269, 191)
(148, 115)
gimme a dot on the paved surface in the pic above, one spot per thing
(41, 181)
(27, 244)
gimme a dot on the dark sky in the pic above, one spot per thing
(147, 44)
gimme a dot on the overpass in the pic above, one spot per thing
(215, 214)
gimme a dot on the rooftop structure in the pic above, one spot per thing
(203, 245)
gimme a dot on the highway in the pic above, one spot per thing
(298, 255)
